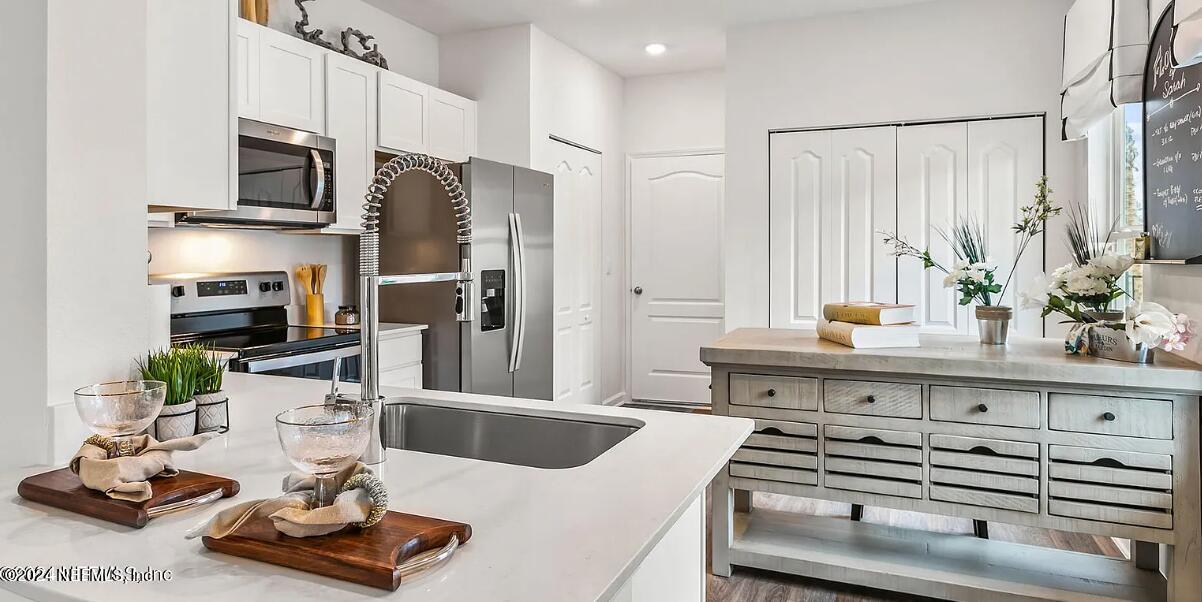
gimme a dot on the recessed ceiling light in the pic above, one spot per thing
(655, 49)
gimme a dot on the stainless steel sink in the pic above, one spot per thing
(508, 438)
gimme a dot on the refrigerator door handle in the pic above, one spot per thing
(515, 257)
(521, 276)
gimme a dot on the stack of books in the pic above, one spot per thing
(868, 325)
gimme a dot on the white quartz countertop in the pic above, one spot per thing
(391, 329)
(1027, 359)
(537, 534)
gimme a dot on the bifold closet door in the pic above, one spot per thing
(981, 170)
(831, 194)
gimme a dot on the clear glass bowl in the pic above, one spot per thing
(121, 408)
(324, 439)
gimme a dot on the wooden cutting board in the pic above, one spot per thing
(62, 489)
(364, 556)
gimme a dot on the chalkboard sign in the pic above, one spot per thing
(1172, 150)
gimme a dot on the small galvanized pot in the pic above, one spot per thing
(993, 323)
(1112, 344)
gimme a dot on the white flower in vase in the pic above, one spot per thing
(1149, 323)
(1112, 266)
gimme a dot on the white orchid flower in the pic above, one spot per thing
(1150, 323)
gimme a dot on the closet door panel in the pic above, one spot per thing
(863, 204)
(800, 180)
(932, 192)
(1005, 160)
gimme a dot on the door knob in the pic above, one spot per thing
(638, 290)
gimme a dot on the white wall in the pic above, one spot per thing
(492, 66)
(22, 248)
(96, 299)
(410, 50)
(575, 98)
(176, 250)
(674, 112)
(949, 58)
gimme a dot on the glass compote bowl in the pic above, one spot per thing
(324, 439)
(120, 409)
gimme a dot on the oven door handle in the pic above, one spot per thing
(319, 191)
(276, 362)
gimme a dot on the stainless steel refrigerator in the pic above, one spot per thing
(507, 348)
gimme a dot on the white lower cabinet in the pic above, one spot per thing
(674, 570)
(401, 356)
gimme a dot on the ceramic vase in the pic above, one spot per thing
(176, 421)
(212, 412)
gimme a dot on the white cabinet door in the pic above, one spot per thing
(408, 376)
(677, 304)
(863, 204)
(451, 126)
(189, 98)
(403, 104)
(831, 192)
(932, 192)
(1004, 162)
(351, 121)
(291, 82)
(577, 343)
(246, 69)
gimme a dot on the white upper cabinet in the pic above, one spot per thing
(831, 193)
(246, 69)
(451, 126)
(189, 97)
(351, 121)
(291, 82)
(404, 104)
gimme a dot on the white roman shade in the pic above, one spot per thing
(1187, 32)
(1105, 46)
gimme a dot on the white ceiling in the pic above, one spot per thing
(613, 32)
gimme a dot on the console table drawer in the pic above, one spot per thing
(774, 391)
(1110, 486)
(872, 398)
(773, 473)
(997, 407)
(1122, 416)
(784, 436)
(775, 458)
(872, 460)
(985, 472)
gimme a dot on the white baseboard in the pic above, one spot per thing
(615, 400)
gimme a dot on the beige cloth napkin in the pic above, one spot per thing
(291, 513)
(126, 477)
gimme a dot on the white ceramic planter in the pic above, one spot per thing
(212, 412)
(176, 421)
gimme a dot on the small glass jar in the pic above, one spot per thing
(348, 315)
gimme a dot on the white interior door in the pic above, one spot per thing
(677, 303)
(1005, 160)
(577, 273)
(932, 192)
(831, 193)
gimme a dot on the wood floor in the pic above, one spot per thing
(746, 585)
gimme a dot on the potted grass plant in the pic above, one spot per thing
(212, 404)
(973, 273)
(179, 369)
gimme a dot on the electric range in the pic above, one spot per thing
(244, 316)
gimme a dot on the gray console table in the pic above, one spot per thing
(1021, 434)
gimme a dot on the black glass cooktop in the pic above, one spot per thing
(281, 339)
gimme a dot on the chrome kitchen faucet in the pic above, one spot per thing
(370, 279)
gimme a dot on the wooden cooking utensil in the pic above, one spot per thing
(304, 275)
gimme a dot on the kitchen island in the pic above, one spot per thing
(1020, 434)
(627, 525)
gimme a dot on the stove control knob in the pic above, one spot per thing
(177, 291)
(277, 286)
(264, 286)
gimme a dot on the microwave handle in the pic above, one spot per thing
(319, 192)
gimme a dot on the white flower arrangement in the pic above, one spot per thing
(1155, 326)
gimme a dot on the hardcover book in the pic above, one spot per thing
(868, 313)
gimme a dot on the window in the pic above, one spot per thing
(1116, 187)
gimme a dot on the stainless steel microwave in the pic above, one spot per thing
(285, 180)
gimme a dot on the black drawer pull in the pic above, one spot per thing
(871, 399)
(1108, 417)
(982, 408)
(772, 430)
(771, 392)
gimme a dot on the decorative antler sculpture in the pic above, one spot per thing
(314, 36)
